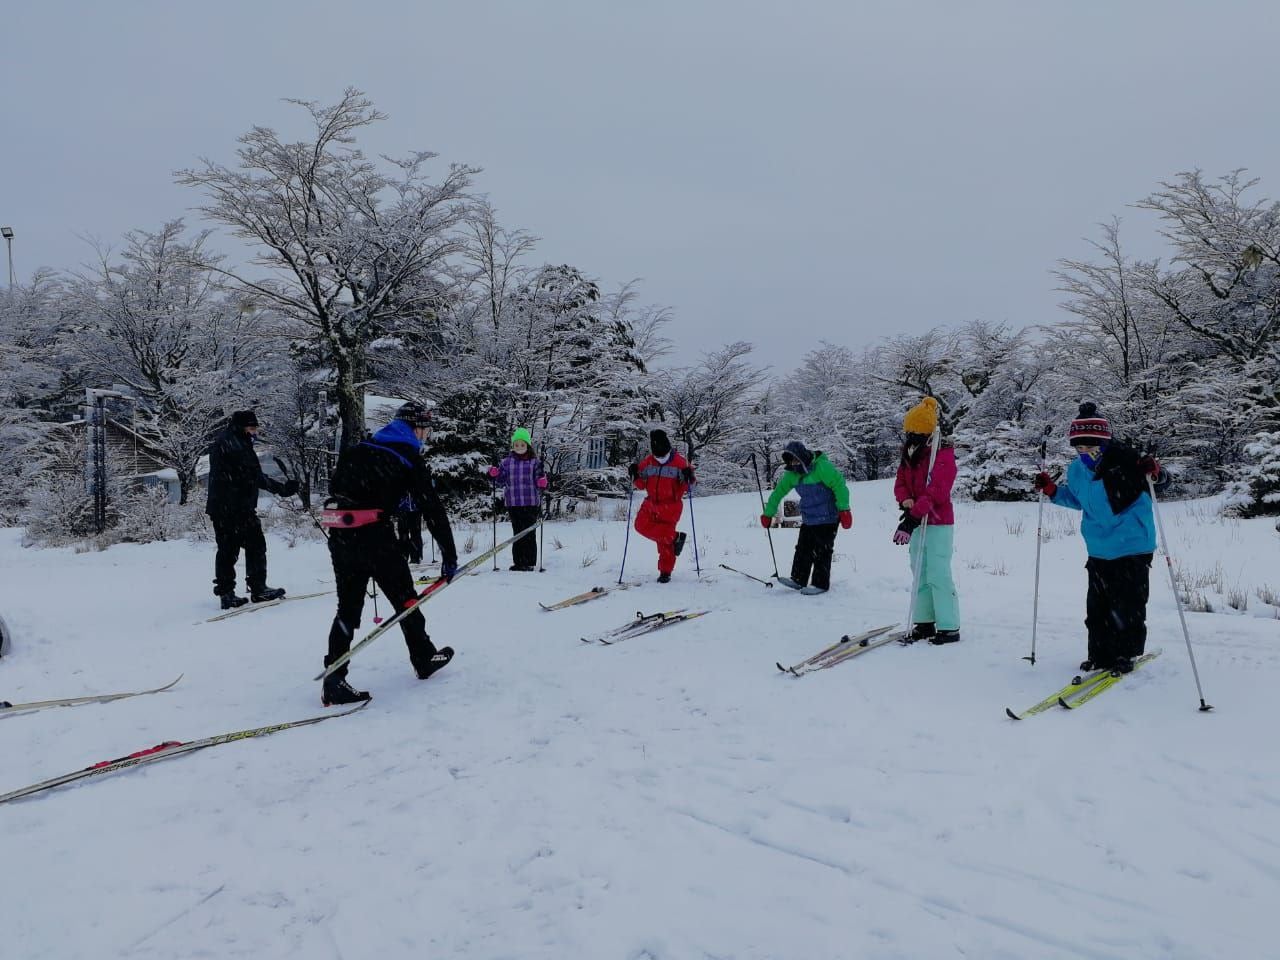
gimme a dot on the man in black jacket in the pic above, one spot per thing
(375, 480)
(235, 477)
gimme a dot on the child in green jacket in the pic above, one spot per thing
(824, 502)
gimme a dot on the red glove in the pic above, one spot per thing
(846, 519)
(1149, 465)
(766, 521)
(494, 471)
(542, 483)
(1044, 483)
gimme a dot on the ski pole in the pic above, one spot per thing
(697, 567)
(493, 506)
(627, 538)
(1164, 546)
(1035, 596)
(542, 534)
(917, 568)
(767, 532)
(373, 592)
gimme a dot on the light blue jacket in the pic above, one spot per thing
(1107, 535)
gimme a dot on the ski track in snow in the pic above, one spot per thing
(670, 797)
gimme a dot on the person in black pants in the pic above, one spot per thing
(369, 486)
(523, 480)
(235, 477)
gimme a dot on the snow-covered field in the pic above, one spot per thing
(669, 797)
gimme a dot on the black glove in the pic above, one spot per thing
(686, 474)
(633, 470)
(908, 523)
(290, 488)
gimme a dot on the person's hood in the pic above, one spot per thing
(801, 453)
(398, 431)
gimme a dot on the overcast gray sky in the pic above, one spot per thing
(780, 173)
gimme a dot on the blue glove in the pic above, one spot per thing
(448, 568)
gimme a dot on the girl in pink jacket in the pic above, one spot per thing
(924, 494)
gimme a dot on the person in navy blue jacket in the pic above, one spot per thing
(375, 480)
(1107, 483)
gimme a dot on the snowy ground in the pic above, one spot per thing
(665, 798)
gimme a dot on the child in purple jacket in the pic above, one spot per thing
(521, 476)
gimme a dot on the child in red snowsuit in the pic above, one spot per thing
(665, 477)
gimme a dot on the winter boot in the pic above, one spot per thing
(337, 692)
(921, 631)
(230, 601)
(267, 593)
(1088, 666)
(678, 544)
(436, 661)
(664, 578)
(811, 591)
(945, 636)
(788, 582)
(1122, 666)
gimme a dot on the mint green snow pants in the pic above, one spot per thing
(936, 600)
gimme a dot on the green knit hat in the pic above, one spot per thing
(521, 434)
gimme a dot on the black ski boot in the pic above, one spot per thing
(921, 631)
(678, 545)
(433, 663)
(664, 578)
(337, 692)
(230, 601)
(1122, 666)
(267, 593)
(1088, 666)
(945, 636)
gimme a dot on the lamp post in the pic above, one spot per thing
(7, 233)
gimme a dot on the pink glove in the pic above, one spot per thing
(542, 483)
(494, 471)
(901, 537)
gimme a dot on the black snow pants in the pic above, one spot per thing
(814, 548)
(373, 553)
(524, 552)
(1116, 611)
(234, 532)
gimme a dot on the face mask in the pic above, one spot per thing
(1088, 460)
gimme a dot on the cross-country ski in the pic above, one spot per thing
(163, 751)
(10, 709)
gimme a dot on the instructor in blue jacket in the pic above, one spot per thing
(1107, 482)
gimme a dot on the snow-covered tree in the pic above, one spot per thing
(351, 247)
(707, 407)
(155, 323)
(1257, 489)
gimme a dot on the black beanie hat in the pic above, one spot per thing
(659, 443)
(244, 418)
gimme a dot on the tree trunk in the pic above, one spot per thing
(187, 481)
(350, 398)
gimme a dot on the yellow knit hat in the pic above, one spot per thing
(922, 418)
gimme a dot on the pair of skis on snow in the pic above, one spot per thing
(1080, 690)
(161, 751)
(595, 593)
(254, 607)
(846, 648)
(644, 623)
